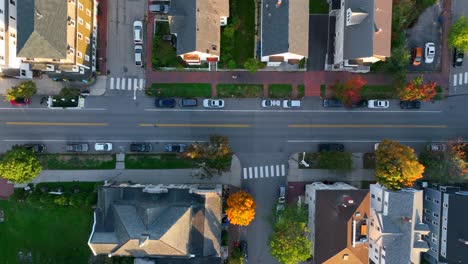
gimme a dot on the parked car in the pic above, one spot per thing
(331, 103)
(359, 104)
(213, 103)
(416, 56)
(282, 194)
(103, 146)
(244, 249)
(378, 103)
(188, 102)
(410, 104)
(159, 7)
(457, 58)
(178, 148)
(77, 147)
(291, 103)
(138, 55)
(141, 147)
(330, 147)
(165, 102)
(20, 101)
(137, 32)
(38, 148)
(436, 147)
(271, 103)
(429, 52)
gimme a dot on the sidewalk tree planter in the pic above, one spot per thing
(24, 90)
(279, 91)
(240, 90)
(179, 90)
(67, 161)
(19, 165)
(418, 90)
(157, 161)
(61, 102)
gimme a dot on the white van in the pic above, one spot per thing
(137, 32)
(138, 55)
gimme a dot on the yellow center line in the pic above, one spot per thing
(55, 124)
(362, 126)
(197, 125)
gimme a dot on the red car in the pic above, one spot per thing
(20, 101)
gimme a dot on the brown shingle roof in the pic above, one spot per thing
(383, 24)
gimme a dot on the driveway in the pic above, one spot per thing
(426, 29)
(318, 35)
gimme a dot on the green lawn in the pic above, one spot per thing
(156, 161)
(300, 91)
(77, 161)
(179, 90)
(318, 7)
(323, 90)
(378, 92)
(279, 91)
(240, 90)
(49, 234)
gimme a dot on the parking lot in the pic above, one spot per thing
(120, 50)
(426, 29)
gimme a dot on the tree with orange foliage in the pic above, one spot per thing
(418, 90)
(240, 208)
(396, 165)
(350, 91)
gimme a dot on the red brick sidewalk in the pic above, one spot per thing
(102, 37)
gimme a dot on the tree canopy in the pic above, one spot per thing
(396, 165)
(349, 92)
(418, 90)
(252, 65)
(24, 90)
(458, 35)
(19, 165)
(240, 208)
(289, 243)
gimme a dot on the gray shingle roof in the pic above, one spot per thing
(359, 38)
(457, 252)
(42, 29)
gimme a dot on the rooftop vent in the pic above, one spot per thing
(354, 17)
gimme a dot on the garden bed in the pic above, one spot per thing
(279, 91)
(163, 52)
(157, 161)
(179, 90)
(240, 90)
(77, 161)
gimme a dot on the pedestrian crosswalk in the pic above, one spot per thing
(264, 171)
(126, 83)
(460, 78)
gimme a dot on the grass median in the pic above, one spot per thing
(156, 161)
(240, 90)
(179, 90)
(279, 91)
(77, 161)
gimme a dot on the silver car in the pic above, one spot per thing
(213, 103)
(271, 103)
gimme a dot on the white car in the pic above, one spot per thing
(378, 103)
(103, 146)
(291, 103)
(213, 103)
(138, 55)
(271, 103)
(137, 32)
(429, 52)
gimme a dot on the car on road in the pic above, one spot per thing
(410, 104)
(213, 103)
(291, 103)
(165, 102)
(177, 148)
(138, 55)
(436, 147)
(416, 56)
(330, 147)
(271, 103)
(332, 103)
(188, 102)
(359, 104)
(38, 148)
(77, 147)
(137, 32)
(141, 147)
(429, 53)
(20, 101)
(378, 104)
(244, 249)
(457, 58)
(103, 146)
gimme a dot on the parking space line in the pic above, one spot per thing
(129, 83)
(460, 80)
(142, 84)
(118, 84)
(466, 77)
(245, 173)
(261, 171)
(112, 83)
(283, 171)
(250, 173)
(454, 80)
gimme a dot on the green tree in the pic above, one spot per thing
(396, 165)
(458, 35)
(289, 243)
(252, 65)
(19, 165)
(24, 90)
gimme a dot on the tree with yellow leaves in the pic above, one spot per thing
(396, 165)
(240, 208)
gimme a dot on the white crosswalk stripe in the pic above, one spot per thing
(460, 80)
(123, 83)
(466, 77)
(129, 83)
(118, 83)
(112, 83)
(126, 83)
(264, 171)
(142, 84)
(135, 82)
(454, 80)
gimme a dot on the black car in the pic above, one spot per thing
(457, 58)
(332, 103)
(188, 102)
(330, 147)
(359, 104)
(141, 147)
(244, 249)
(410, 104)
(165, 102)
(38, 148)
